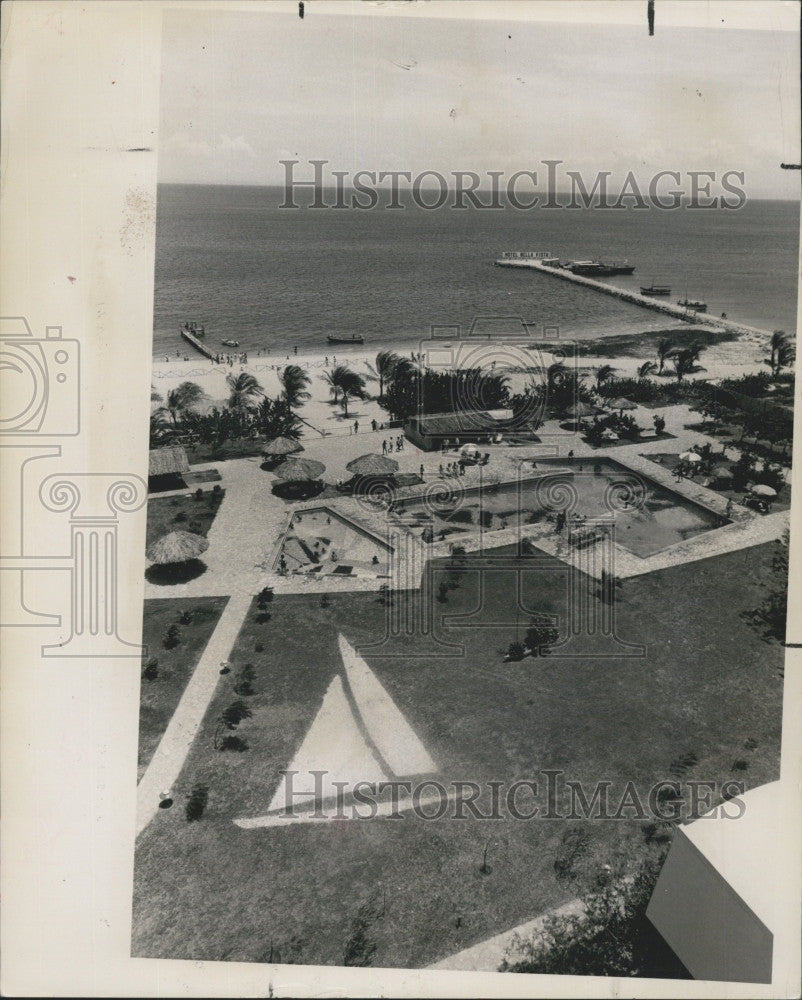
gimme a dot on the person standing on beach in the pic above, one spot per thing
(356, 427)
(384, 447)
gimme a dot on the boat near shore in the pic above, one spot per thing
(655, 290)
(230, 343)
(355, 339)
(695, 305)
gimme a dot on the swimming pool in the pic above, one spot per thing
(647, 517)
(322, 542)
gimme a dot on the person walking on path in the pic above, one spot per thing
(384, 447)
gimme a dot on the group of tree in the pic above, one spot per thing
(344, 384)
(248, 411)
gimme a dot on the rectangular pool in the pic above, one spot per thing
(648, 517)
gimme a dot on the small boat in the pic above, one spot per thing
(194, 329)
(231, 343)
(355, 339)
(655, 289)
(694, 304)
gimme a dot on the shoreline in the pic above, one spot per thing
(724, 356)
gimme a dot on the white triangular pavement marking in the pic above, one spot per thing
(333, 744)
(374, 809)
(386, 726)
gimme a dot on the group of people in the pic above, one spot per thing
(387, 446)
(452, 469)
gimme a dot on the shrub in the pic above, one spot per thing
(359, 946)
(180, 516)
(486, 518)
(244, 685)
(442, 592)
(235, 743)
(217, 489)
(541, 634)
(199, 494)
(185, 618)
(659, 423)
(265, 597)
(573, 847)
(198, 799)
(234, 714)
(172, 637)
(461, 516)
(324, 600)
(151, 671)
(516, 650)
(259, 648)
(740, 765)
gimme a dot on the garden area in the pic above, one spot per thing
(175, 633)
(733, 478)
(703, 703)
(193, 512)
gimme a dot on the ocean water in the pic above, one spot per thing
(272, 278)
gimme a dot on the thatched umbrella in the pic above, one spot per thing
(762, 490)
(300, 470)
(622, 404)
(177, 547)
(372, 465)
(281, 446)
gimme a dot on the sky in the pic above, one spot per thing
(242, 91)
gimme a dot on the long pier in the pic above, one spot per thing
(635, 298)
(192, 339)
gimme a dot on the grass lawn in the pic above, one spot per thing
(709, 686)
(158, 697)
(182, 513)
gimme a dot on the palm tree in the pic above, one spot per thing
(294, 381)
(646, 369)
(603, 374)
(386, 364)
(664, 351)
(333, 379)
(161, 430)
(351, 384)
(685, 362)
(182, 398)
(244, 392)
(782, 352)
(155, 395)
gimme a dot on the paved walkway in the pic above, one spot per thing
(488, 955)
(168, 760)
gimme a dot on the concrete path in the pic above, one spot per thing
(168, 760)
(488, 955)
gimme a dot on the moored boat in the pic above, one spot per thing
(655, 289)
(231, 343)
(354, 339)
(695, 305)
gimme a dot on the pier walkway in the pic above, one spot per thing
(635, 298)
(192, 339)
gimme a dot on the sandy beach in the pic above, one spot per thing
(728, 359)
